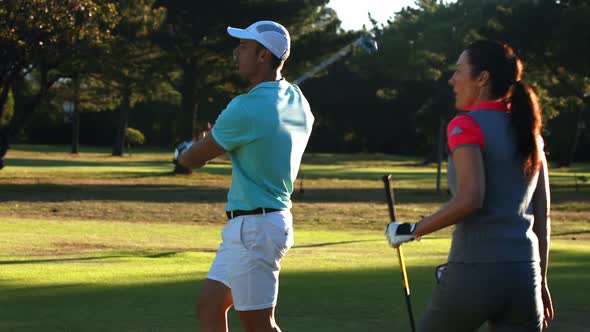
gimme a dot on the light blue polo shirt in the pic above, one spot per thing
(265, 132)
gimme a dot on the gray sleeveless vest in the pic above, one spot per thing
(501, 231)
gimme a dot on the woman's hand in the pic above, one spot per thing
(547, 305)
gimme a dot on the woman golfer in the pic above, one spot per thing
(497, 271)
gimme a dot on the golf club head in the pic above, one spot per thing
(181, 147)
(439, 271)
(368, 44)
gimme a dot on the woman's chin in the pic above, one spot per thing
(461, 107)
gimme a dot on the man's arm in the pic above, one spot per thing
(200, 153)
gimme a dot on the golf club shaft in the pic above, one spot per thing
(402, 264)
(400, 255)
(406, 283)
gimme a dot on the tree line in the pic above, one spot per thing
(86, 70)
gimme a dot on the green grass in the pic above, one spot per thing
(98, 243)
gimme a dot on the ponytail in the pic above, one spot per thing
(505, 69)
(526, 117)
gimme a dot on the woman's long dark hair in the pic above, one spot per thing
(505, 70)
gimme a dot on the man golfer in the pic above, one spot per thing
(265, 132)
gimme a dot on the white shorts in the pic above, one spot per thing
(248, 259)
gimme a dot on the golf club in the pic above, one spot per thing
(365, 43)
(400, 255)
(439, 271)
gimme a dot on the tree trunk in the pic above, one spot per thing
(76, 117)
(196, 126)
(7, 82)
(188, 103)
(441, 140)
(123, 121)
(177, 168)
(188, 117)
(3, 131)
(569, 121)
(576, 138)
(3, 147)
(432, 156)
(20, 119)
(4, 90)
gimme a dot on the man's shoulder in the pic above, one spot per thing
(240, 103)
(255, 97)
(269, 95)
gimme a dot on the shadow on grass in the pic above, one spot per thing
(341, 159)
(343, 300)
(81, 163)
(219, 167)
(356, 173)
(146, 193)
(57, 260)
(162, 193)
(570, 233)
(563, 194)
(223, 168)
(327, 244)
(164, 254)
(317, 301)
(169, 193)
(343, 173)
(99, 258)
(107, 151)
(372, 195)
(563, 191)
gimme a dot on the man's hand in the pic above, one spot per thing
(180, 148)
(398, 233)
(204, 133)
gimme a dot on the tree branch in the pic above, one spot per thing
(566, 84)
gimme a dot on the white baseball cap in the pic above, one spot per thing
(270, 34)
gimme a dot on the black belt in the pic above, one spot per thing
(237, 213)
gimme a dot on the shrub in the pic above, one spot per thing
(133, 137)
(7, 111)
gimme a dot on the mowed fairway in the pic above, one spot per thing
(97, 243)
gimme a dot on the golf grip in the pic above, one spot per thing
(389, 196)
(400, 256)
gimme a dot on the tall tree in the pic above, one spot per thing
(201, 49)
(413, 65)
(133, 65)
(553, 38)
(44, 36)
(420, 45)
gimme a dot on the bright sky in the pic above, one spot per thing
(354, 13)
